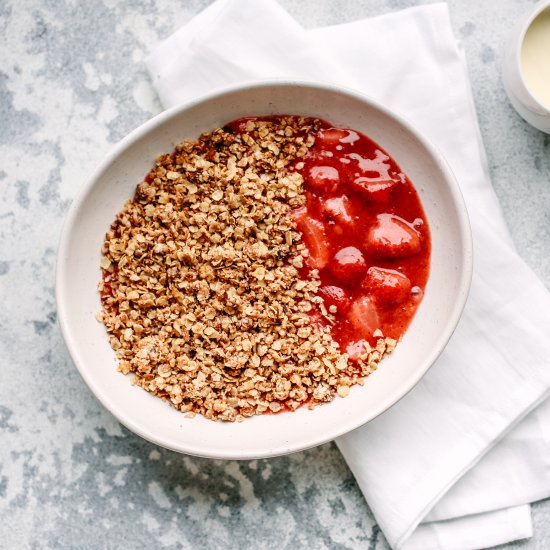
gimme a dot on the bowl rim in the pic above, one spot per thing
(465, 275)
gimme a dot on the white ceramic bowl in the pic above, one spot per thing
(92, 212)
(519, 94)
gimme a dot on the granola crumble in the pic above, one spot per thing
(201, 291)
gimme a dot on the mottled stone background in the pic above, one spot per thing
(72, 83)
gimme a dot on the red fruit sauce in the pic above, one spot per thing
(366, 232)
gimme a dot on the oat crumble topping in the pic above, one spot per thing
(201, 292)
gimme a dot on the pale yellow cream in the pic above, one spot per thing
(535, 58)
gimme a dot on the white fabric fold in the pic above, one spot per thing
(473, 532)
(415, 462)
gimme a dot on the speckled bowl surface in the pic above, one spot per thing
(104, 194)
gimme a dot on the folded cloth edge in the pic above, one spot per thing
(491, 528)
(466, 467)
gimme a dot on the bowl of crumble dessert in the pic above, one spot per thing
(262, 270)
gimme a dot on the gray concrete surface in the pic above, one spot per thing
(72, 83)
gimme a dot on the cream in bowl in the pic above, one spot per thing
(294, 245)
(526, 69)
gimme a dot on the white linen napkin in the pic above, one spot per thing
(414, 463)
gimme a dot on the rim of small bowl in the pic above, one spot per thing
(347, 425)
(537, 10)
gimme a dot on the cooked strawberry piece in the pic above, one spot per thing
(338, 209)
(417, 294)
(334, 296)
(298, 215)
(323, 177)
(332, 136)
(392, 237)
(363, 316)
(375, 167)
(316, 242)
(377, 191)
(313, 234)
(348, 264)
(387, 286)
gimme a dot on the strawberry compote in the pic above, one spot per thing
(367, 236)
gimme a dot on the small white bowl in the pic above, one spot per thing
(92, 212)
(521, 97)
